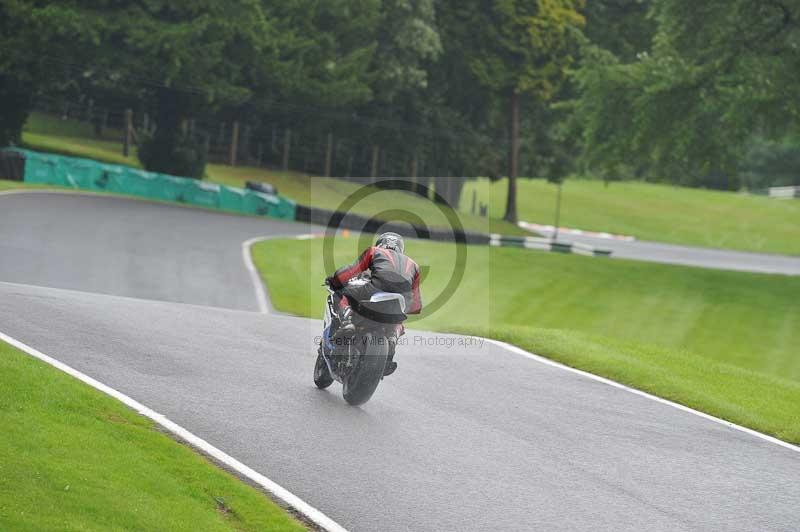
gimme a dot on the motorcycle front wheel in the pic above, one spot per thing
(367, 372)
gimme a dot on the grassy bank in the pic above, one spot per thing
(656, 212)
(72, 458)
(722, 342)
(7, 184)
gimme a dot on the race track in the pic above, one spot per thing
(461, 438)
(700, 257)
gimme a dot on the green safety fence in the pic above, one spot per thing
(86, 174)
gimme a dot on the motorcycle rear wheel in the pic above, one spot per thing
(364, 378)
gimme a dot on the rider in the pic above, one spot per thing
(390, 270)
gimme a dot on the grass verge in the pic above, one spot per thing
(656, 212)
(72, 458)
(6, 184)
(721, 342)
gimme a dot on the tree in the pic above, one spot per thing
(25, 62)
(771, 163)
(186, 54)
(621, 27)
(407, 44)
(520, 48)
(718, 71)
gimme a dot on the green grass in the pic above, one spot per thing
(72, 458)
(107, 151)
(721, 342)
(48, 133)
(53, 125)
(6, 184)
(656, 212)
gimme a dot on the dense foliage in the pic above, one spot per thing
(718, 76)
(696, 93)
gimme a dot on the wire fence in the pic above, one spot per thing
(258, 143)
(252, 144)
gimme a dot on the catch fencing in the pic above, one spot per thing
(286, 143)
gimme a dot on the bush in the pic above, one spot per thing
(175, 155)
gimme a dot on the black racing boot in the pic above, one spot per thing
(346, 328)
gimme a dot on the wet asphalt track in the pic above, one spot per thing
(721, 259)
(461, 438)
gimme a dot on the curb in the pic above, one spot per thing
(545, 244)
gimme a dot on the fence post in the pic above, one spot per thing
(474, 200)
(234, 143)
(287, 141)
(329, 154)
(126, 147)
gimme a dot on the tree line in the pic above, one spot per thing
(694, 93)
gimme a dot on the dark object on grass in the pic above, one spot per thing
(266, 188)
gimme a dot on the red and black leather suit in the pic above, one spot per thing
(389, 271)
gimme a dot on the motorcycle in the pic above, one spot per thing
(360, 362)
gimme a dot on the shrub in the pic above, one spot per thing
(178, 155)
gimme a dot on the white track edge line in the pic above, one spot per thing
(615, 384)
(314, 515)
(255, 278)
(247, 256)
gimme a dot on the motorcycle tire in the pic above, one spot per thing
(364, 378)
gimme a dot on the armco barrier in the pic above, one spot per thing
(86, 174)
